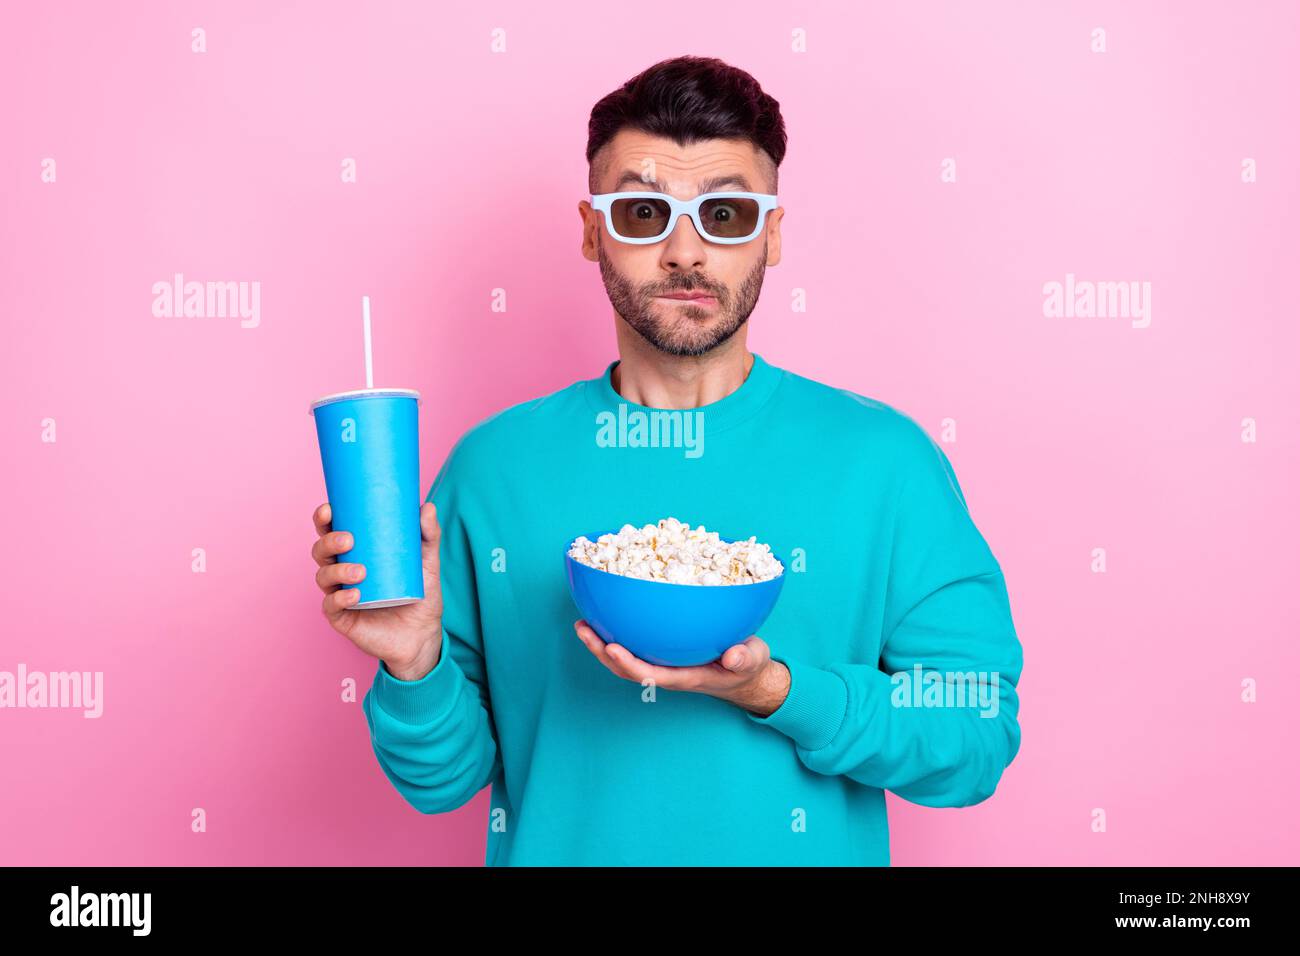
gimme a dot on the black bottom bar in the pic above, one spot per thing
(474, 904)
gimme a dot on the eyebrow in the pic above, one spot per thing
(631, 177)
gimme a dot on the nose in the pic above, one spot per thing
(684, 249)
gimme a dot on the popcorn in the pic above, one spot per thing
(678, 554)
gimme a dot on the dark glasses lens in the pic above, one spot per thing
(732, 218)
(726, 218)
(639, 218)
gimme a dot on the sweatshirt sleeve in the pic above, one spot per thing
(435, 738)
(947, 639)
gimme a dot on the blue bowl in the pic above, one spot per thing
(676, 625)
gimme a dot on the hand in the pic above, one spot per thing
(745, 674)
(407, 638)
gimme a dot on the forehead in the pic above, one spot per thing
(638, 160)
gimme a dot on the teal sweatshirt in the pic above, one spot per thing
(893, 620)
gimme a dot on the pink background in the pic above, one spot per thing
(222, 689)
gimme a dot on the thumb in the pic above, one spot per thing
(743, 658)
(737, 659)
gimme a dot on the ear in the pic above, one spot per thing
(774, 235)
(590, 227)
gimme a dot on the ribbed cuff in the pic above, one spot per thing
(421, 701)
(813, 710)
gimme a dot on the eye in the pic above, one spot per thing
(643, 210)
(724, 212)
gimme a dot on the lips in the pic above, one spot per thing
(686, 296)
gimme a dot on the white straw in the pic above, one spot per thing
(365, 320)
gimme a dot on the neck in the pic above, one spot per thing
(646, 376)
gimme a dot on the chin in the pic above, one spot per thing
(695, 345)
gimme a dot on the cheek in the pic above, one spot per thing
(628, 263)
(730, 273)
(640, 269)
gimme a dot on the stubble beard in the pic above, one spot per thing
(687, 329)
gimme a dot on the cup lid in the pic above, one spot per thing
(365, 393)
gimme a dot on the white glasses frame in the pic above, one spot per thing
(603, 202)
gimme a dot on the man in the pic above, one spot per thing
(780, 752)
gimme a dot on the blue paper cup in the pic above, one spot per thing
(370, 449)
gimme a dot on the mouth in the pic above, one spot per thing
(694, 298)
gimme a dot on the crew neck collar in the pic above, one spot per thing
(729, 410)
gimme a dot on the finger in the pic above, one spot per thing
(589, 637)
(627, 664)
(336, 602)
(615, 657)
(431, 535)
(669, 678)
(594, 643)
(331, 576)
(321, 519)
(429, 527)
(324, 549)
